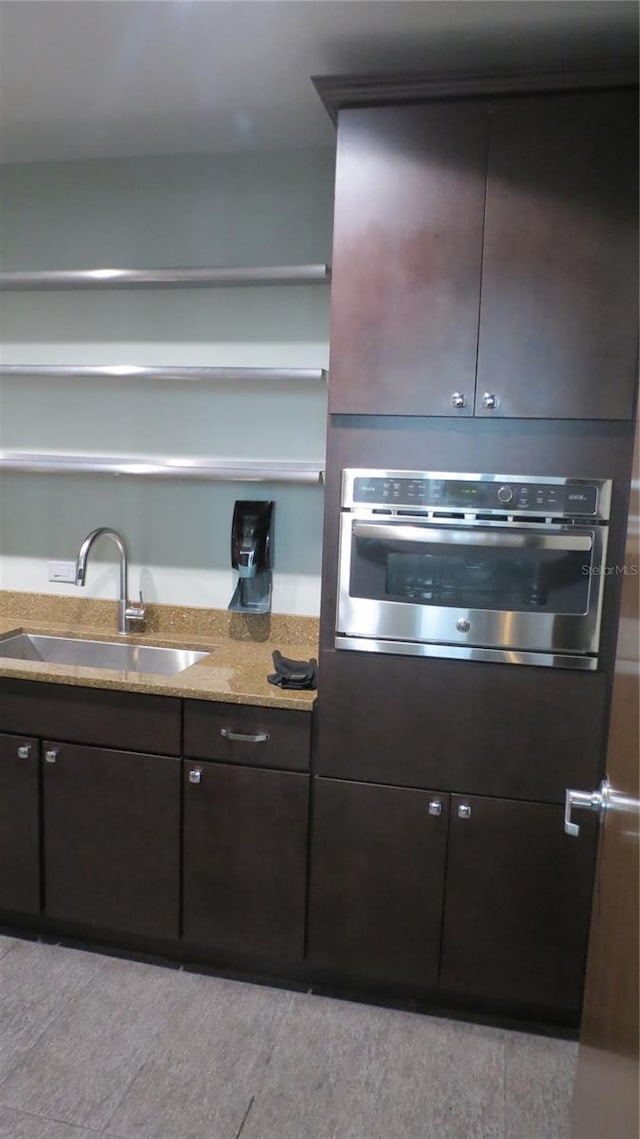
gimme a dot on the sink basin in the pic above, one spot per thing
(98, 654)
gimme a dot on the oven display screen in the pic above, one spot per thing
(462, 491)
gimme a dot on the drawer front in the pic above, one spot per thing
(126, 720)
(257, 737)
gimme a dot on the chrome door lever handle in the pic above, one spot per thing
(586, 801)
(604, 799)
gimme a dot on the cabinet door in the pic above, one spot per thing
(112, 839)
(407, 250)
(19, 825)
(244, 860)
(558, 326)
(518, 900)
(377, 870)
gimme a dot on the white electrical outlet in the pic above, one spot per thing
(62, 571)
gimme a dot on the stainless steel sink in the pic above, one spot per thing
(98, 654)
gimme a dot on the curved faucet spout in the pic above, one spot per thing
(126, 614)
(81, 564)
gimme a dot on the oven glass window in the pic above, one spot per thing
(471, 577)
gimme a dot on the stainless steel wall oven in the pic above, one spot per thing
(504, 568)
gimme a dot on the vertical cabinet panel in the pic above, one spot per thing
(377, 871)
(558, 326)
(517, 903)
(19, 825)
(111, 838)
(491, 729)
(405, 291)
(245, 849)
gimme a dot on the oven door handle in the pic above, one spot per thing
(505, 539)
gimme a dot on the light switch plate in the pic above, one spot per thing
(62, 571)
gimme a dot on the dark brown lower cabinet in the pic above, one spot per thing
(514, 888)
(112, 839)
(377, 874)
(244, 859)
(19, 825)
(517, 903)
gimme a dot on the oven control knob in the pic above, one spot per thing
(462, 625)
(505, 494)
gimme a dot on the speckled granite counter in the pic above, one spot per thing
(235, 672)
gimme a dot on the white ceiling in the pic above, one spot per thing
(88, 78)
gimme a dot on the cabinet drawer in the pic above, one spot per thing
(236, 733)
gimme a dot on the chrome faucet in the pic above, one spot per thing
(127, 614)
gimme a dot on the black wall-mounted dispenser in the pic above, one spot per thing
(251, 556)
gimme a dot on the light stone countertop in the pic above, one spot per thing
(235, 672)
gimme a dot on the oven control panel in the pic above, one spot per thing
(419, 491)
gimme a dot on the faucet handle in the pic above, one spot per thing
(136, 612)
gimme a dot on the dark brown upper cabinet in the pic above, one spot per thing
(558, 316)
(486, 258)
(407, 254)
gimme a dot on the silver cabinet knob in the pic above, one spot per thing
(435, 807)
(51, 754)
(489, 400)
(24, 751)
(195, 775)
(462, 625)
(458, 400)
(464, 811)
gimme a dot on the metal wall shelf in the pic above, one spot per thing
(210, 469)
(162, 372)
(161, 466)
(193, 278)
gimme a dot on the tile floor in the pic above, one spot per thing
(100, 1046)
